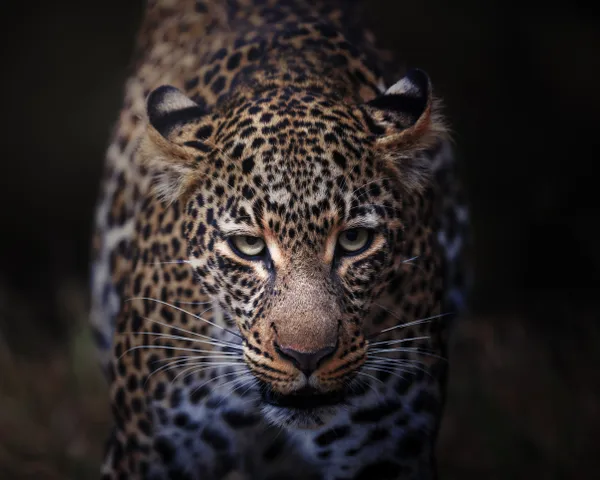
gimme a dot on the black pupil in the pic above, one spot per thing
(251, 240)
(352, 235)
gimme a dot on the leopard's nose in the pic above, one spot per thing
(306, 362)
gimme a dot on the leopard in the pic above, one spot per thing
(278, 249)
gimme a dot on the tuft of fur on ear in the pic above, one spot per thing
(169, 147)
(406, 122)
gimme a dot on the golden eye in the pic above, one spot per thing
(355, 240)
(247, 246)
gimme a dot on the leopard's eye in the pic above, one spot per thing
(246, 246)
(355, 240)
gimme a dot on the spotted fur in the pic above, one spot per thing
(271, 119)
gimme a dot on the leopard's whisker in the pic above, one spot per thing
(207, 340)
(173, 364)
(246, 383)
(199, 335)
(408, 260)
(160, 347)
(252, 381)
(244, 380)
(410, 350)
(386, 370)
(166, 367)
(195, 334)
(197, 317)
(213, 379)
(385, 363)
(192, 358)
(353, 385)
(366, 374)
(398, 360)
(230, 382)
(191, 340)
(204, 359)
(407, 324)
(383, 307)
(402, 340)
(203, 366)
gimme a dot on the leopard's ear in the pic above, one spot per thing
(406, 122)
(175, 139)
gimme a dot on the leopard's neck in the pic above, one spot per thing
(249, 49)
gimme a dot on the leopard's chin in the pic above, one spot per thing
(305, 419)
(305, 409)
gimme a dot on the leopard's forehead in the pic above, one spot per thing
(296, 164)
(293, 123)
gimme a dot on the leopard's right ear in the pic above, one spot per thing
(176, 137)
(169, 109)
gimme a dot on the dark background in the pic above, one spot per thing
(521, 91)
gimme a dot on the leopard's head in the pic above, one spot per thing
(302, 213)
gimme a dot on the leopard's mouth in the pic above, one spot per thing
(305, 409)
(305, 399)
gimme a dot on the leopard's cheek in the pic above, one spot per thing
(240, 287)
(227, 261)
(363, 278)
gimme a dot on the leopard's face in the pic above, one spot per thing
(295, 226)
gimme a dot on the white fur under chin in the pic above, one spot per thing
(299, 419)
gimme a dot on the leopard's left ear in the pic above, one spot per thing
(405, 121)
(406, 115)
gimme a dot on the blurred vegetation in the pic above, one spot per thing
(519, 83)
(54, 417)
